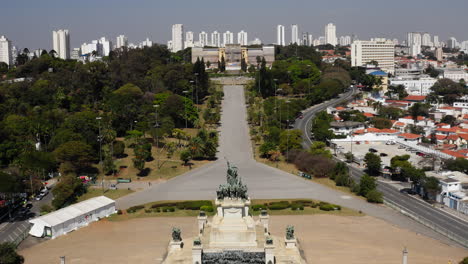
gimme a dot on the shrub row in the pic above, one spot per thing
(295, 205)
(135, 208)
(187, 205)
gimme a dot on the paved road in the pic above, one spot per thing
(440, 219)
(264, 182)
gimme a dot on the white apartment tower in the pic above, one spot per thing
(105, 46)
(188, 43)
(345, 40)
(311, 40)
(380, 50)
(436, 41)
(177, 37)
(330, 34)
(122, 41)
(280, 35)
(61, 43)
(242, 38)
(216, 39)
(414, 43)
(294, 34)
(203, 39)
(6, 55)
(426, 40)
(228, 37)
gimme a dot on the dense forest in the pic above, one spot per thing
(64, 114)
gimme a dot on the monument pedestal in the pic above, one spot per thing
(175, 245)
(290, 243)
(232, 226)
(197, 254)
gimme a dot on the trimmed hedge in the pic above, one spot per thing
(135, 208)
(297, 206)
(258, 207)
(279, 205)
(207, 208)
(186, 205)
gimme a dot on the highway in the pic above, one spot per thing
(444, 223)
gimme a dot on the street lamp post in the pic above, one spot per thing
(100, 151)
(156, 125)
(185, 109)
(287, 128)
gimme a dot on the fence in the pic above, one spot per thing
(457, 238)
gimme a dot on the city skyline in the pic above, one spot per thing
(153, 20)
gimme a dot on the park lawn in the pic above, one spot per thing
(113, 194)
(160, 168)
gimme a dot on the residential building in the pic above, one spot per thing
(215, 39)
(439, 53)
(106, 46)
(305, 39)
(294, 34)
(330, 34)
(177, 37)
(61, 43)
(6, 53)
(89, 48)
(345, 128)
(455, 74)
(426, 40)
(280, 35)
(464, 46)
(311, 40)
(75, 54)
(228, 38)
(414, 86)
(414, 43)
(452, 43)
(122, 41)
(146, 43)
(188, 43)
(203, 39)
(380, 50)
(242, 38)
(346, 40)
(256, 41)
(436, 42)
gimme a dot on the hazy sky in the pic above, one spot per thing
(29, 23)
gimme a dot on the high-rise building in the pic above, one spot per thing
(146, 43)
(228, 38)
(188, 43)
(203, 39)
(395, 41)
(305, 39)
(280, 35)
(216, 39)
(436, 41)
(122, 41)
(177, 37)
(294, 34)
(242, 38)
(6, 54)
(105, 46)
(75, 54)
(330, 34)
(438, 53)
(345, 40)
(426, 40)
(452, 43)
(321, 40)
(311, 40)
(380, 50)
(464, 46)
(414, 42)
(61, 43)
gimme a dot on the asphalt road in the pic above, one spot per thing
(11, 230)
(438, 218)
(264, 182)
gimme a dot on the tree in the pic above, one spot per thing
(243, 65)
(419, 109)
(432, 187)
(290, 139)
(366, 185)
(319, 148)
(374, 196)
(381, 123)
(399, 91)
(67, 190)
(119, 149)
(185, 156)
(459, 164)
(222, 65)
(464, 261)
(77, 153)
(349, 157)
(8, 254)
(373, 163)
(266, 148)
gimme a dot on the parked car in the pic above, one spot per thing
(373, 150)
(390, 142)
(383, 154)
(401, 147)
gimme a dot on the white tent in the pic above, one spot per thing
(72, 217)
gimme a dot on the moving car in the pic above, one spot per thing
(373, 150)
(383, 154)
